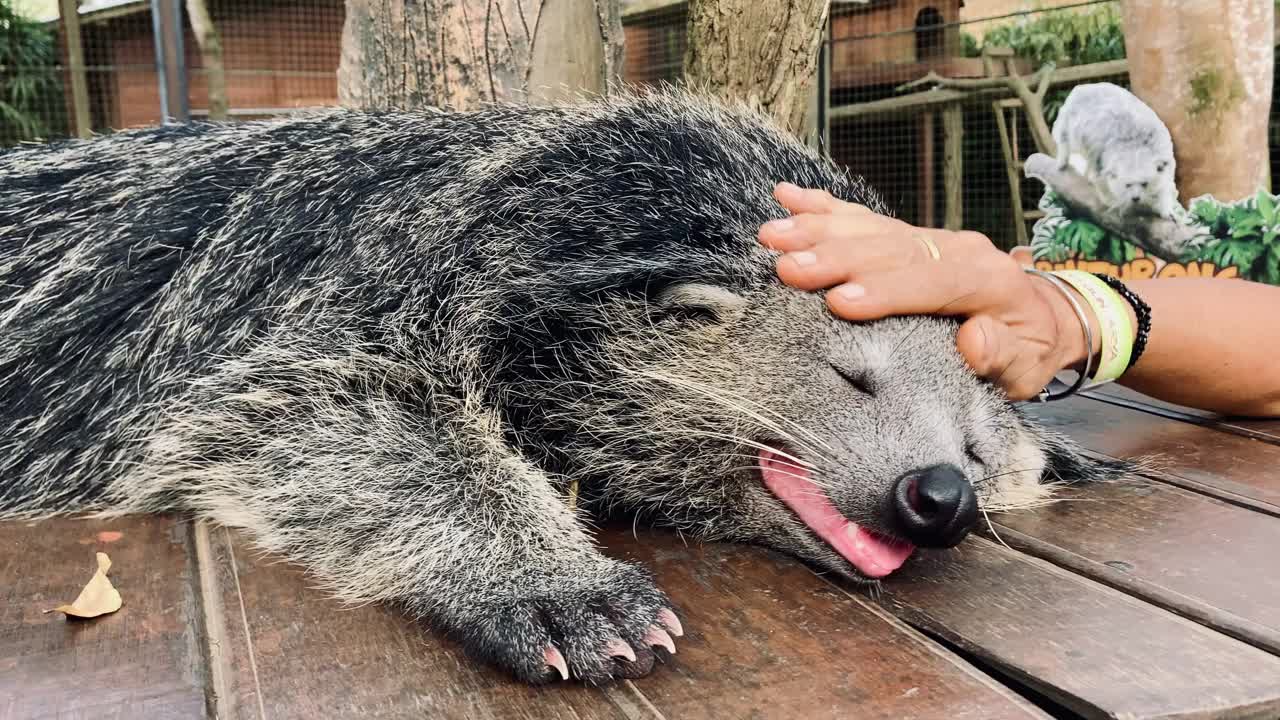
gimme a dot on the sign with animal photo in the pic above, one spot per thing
(1111, 204)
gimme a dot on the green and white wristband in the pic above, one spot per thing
(1112, 313)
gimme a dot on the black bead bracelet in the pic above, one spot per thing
(1140, 309)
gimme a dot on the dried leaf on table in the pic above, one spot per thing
(98, 597)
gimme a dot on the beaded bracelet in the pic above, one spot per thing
(1140, 309)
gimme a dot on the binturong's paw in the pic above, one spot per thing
(604, 623)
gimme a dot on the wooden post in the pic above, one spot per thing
(953, 165)
(924, 194)
(171, 65)
(75, 62)
(210, 42)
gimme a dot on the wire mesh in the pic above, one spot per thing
(873, 49)
(282, 55)
(278, 56)
(903, 150)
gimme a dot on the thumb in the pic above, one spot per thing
(982, 341)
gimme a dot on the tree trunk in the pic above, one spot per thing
(1206, 69)
(210, 43)
(458, 54)
(761, 52)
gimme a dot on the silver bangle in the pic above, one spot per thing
(1047, 395)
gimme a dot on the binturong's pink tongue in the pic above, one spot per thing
(874, 555)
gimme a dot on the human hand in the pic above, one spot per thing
(1020, 330)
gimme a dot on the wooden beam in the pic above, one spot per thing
(925, 192)
(75, 63)
(936, 98)
(953, 166)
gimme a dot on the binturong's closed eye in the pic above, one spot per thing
(698, 302)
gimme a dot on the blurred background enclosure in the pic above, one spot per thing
(946, 152)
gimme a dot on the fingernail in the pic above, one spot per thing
(783, 225)
(787, 186)
(803, 258)
(850, 291)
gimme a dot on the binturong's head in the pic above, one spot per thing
(1139, 175)
(649, 351)
(760, 417)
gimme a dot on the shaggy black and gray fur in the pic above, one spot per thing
(386, 344)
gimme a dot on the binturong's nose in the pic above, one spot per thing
(936, 506)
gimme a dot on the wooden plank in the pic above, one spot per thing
(1238, 469)
(1200, 557)
(144, 661)
(288, 651)
(953, 166)
(1267, 430)
(1097, 651)
(765, 637)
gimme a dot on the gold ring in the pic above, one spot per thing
(928, 245)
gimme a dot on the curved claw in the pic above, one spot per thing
(619, 648)
(658, 636)
(668, 618)
(556, 660)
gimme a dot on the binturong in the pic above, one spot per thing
(387, 346)
(1120, 146)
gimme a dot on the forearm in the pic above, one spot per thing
(1214, 345)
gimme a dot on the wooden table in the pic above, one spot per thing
(1156, 597)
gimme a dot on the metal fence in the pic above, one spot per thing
(936, 163)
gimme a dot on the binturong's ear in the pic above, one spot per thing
(698, 302)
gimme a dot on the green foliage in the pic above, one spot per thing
(28, 81)
(1244, 234)
(1061, 37)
